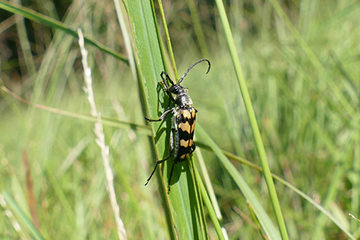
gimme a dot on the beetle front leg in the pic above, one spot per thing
(166, 86)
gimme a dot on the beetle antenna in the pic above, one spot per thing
(201, 60)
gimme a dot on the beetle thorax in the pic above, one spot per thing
(183, 99)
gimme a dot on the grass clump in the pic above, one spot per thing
(299, 61)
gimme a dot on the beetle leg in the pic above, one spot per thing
(172, 169)
(171, 172)
(171, 151)
(157, 163)
(161, 118)
(166, 86)
(171, 99)
(167, 77)
(173, 130)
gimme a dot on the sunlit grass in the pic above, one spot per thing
(305, 106)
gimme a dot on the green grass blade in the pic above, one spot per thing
(264, 219)
(197, 27)
(298, 191)
(142, 129)
(25, 47)
(183, 200)
(21, 217)
(210, 208)
(314, 60)
(250, 112)
(35, 16)
(167, 36)
(300, 67)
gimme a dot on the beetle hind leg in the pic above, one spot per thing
(157, 163)
(171, 172)
(171, 151)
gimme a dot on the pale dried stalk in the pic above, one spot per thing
(354, 217)
(101, 139)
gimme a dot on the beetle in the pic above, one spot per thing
(182, 121)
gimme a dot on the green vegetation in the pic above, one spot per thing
(277, 134)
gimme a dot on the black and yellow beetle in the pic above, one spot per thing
(183, 120)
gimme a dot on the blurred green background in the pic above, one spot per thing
(302, 74)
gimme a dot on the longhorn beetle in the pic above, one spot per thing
(182, 121)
